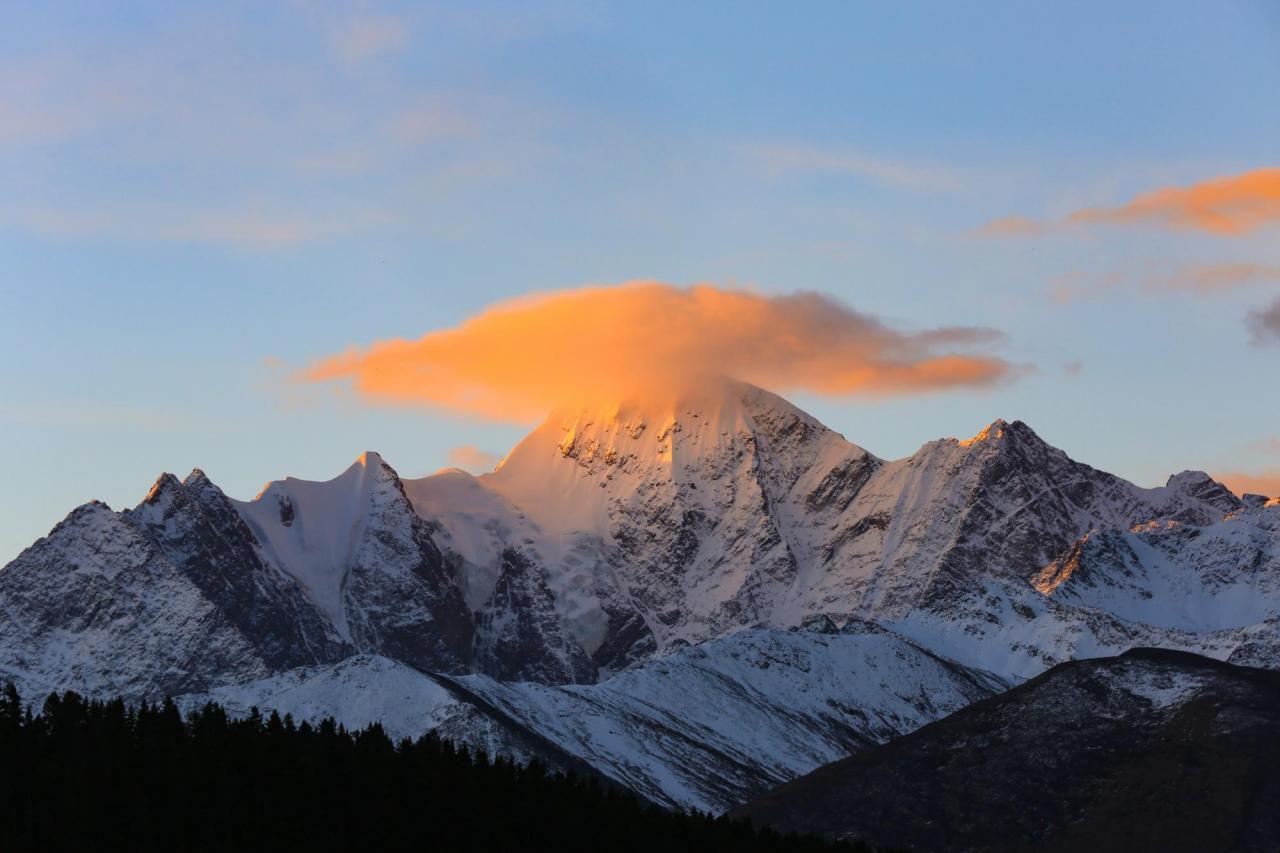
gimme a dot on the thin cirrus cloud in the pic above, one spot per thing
(1012, 226)
(252, 229)
(359, 39)
(1193, 279)
(471, 458)
(517, 360)
(1264, 323)
(778, 159)
(1234, 205)
(1270, 444)
(194, 118)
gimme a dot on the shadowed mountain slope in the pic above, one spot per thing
(1151, 750)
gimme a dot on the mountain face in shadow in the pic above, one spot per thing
(1151, 750)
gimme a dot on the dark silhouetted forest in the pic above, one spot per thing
(87, 775)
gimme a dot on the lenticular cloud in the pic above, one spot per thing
(517, 360)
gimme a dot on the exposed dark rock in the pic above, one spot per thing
(194, 525)
(1152, 750)
(519, 634)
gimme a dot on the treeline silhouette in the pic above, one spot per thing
(90, 775)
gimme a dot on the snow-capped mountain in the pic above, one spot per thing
(367, 562)
(659, 526)
(652, 525)
(706, 727)
(613, 542)
(191, 589)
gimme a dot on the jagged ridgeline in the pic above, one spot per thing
(699, 600)
(89, 775)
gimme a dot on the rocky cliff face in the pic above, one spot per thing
(197, 529)
(661, 527)
(608, 537)
(108, 604)
(190, 589)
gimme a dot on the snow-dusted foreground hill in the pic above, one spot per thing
(706, 727)
(638, 548)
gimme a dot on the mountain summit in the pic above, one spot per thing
(616, 533)
(698, 600)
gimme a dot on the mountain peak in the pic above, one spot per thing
(1188, 478)
(1202, 487)
(1001, 433)
(164, 485)
(370, 468)
(993, 431)
(369, 459)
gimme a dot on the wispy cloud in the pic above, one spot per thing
(358, 39)
(247, 229)
(1264, 323)
(94, 416)
(1270, 444)
(779, 159)
(1193, 279)
(195, 134)
(1235, 205)
(1012, 226)
(473, 459)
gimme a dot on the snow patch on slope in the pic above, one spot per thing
(311, 529)
(360, 690)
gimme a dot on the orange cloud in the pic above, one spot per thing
(474, 459)
(1234, 205)
(1011, 226)
(1078, 286)
(1196, 279)
(1212, 278)
(1267, 483)
(520, 359)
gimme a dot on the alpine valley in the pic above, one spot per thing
(698, 600)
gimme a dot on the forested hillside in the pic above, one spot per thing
(88, 775)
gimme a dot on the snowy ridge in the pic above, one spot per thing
(312, 530)
(625, 590)
(705, 727)
(740, 510)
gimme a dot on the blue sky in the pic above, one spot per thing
(194, 199)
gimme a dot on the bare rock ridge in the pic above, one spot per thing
(626, 565)
(608, 536)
